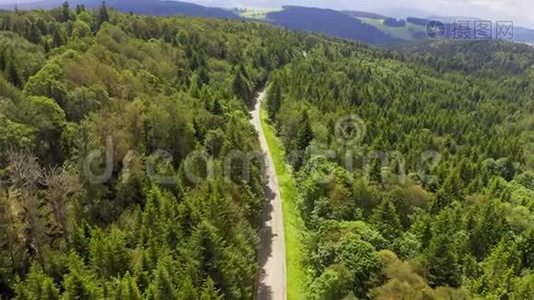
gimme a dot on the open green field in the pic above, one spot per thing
(403, 33)
(255, 13)
(294, 228)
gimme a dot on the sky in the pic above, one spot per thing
(521, 12)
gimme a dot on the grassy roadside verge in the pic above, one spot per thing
(293, 225)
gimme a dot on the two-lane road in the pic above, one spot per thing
(272, 282)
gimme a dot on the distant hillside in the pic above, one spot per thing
(145, 7)
(364, 14)
(329, 22)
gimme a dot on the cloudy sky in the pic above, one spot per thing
(519, 11)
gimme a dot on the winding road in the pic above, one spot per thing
(272, 283)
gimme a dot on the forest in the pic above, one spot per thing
(414, 167)
(121, 89)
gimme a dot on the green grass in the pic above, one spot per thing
(294, 228)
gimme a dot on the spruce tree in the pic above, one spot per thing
(65, 12)
(304, 132)
(304, 138)
(127, 289)
(13, 74)
(442, 262)
(386, 220)
(37, 285)
(274, 99)
(241, 88)
(102, 16)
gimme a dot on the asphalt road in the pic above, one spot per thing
(272, 283)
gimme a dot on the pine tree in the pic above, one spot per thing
(304, 133)
(46, 46)
(37, 285)
(208, 249)
(442, 262)
(13, 74)
(386, 220)
(65, 12)
(79, 282)
(303, 140)
(57, 38)
(127, 289)
(3, 60)
(274, 99)
(450, 191)
(108, 253)
(102, 16)
(162, 287)
(34, 34)
(209, 291)
(187, 290)
(241, 88)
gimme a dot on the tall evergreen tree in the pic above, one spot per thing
(303, 140)
(442, 262)
(13, 74)
(386, 220)
(37, 286)
(241, 88)
(65, 12)
(102, 16)
(304, 132)
(274, 99)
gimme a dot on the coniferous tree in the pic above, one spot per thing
(65, 12)
(37, 286)
(80, 283)
(303, 139)
(13, 74)
(209, 291)
(304, 132)
(57, 38)
(127, 289)
(442, 262)
(3, 60)
(274, 99)
(102, 16)
(162, 287)
(386, 220)
(241, 88)
(449, 192)
(34, 34)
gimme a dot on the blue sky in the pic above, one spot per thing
(519, 11)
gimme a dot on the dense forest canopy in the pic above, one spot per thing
(414, 168)
(101, 93)
(115, 131)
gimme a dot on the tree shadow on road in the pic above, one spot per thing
(265, 250)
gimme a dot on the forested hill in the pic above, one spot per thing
(493, 59)
(144, 7)
(415, 170)
(330, 22)
(119, 135)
